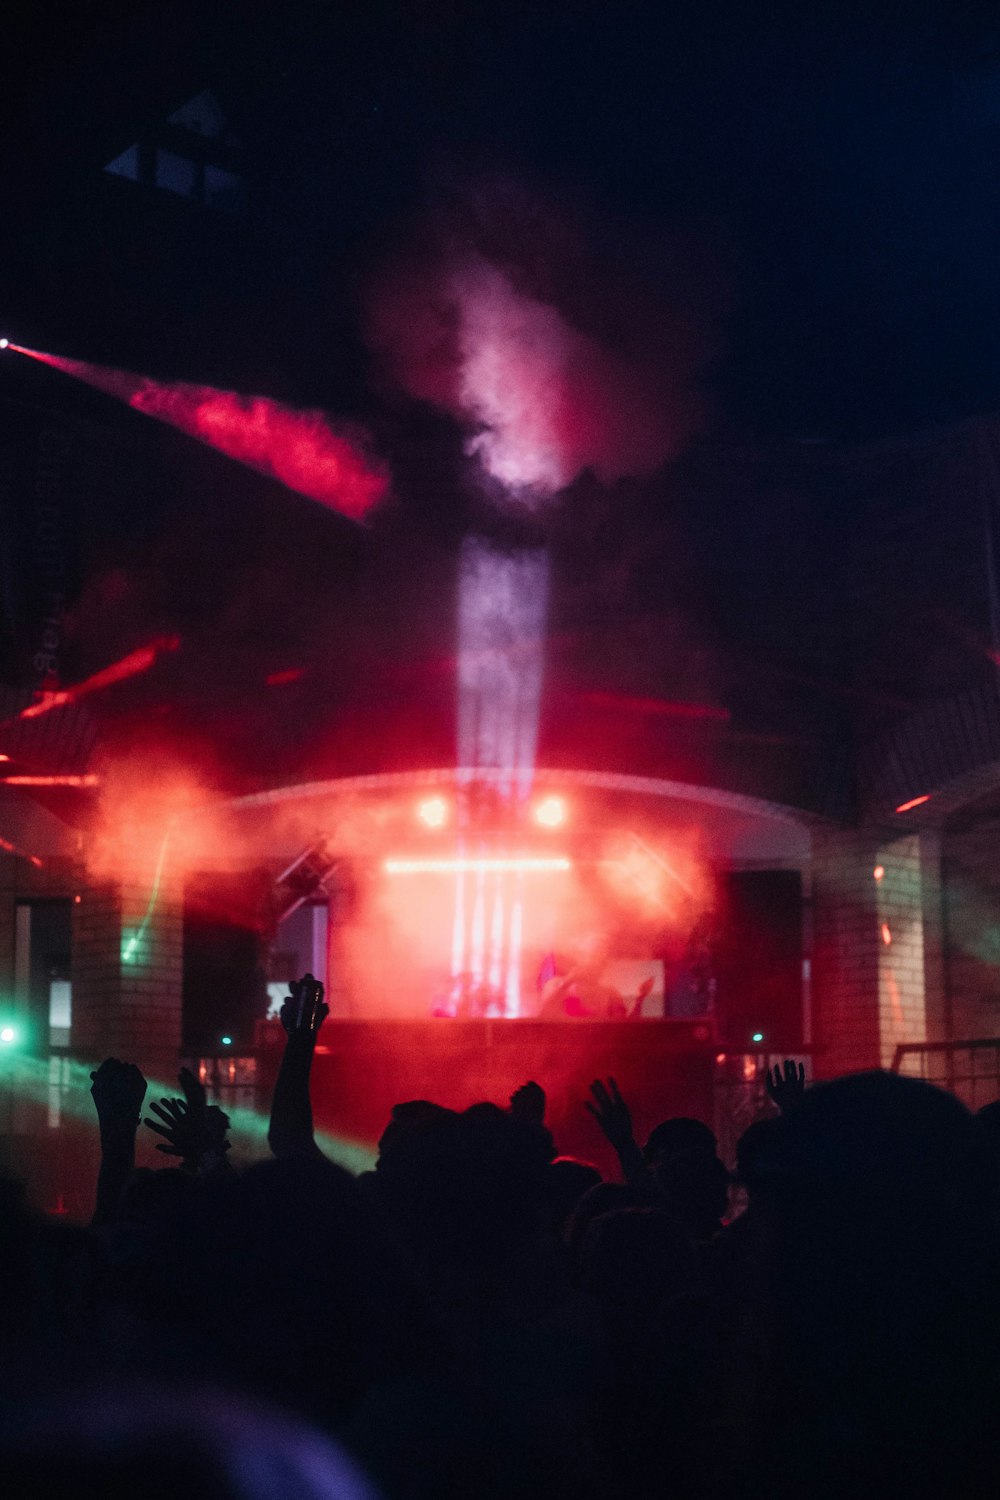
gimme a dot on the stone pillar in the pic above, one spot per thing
(127, 973)
(936, 999)
(877, 969)
(902, 994)
(846, 958)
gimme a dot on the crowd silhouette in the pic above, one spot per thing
(479, 1316)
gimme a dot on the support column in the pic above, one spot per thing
(845, 975)
(902, 993)
(878, 968)
(127, 974)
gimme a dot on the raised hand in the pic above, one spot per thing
(528, 1103)
(192, 1128)
(304, 1012)
(117, 1089)
(290, 1133)
(786, 1089)
(611, 1113)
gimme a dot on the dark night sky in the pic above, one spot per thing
(818, 185)
(840, 167)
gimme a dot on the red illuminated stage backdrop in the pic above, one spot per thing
(472, 939)
(491, 922)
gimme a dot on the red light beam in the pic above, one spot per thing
(10, 848)
(666, 868)
(129, 666)
(914, 802)
(300, 449)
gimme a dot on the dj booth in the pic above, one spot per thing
(363, 1068)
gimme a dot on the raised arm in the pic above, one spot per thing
(786, 1090)
(117, 1090)
(192, 1129)
(615, 1120)
(290, 1133)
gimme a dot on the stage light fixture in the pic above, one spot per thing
(7, 1035)
(227, 1041)
(550, 812)
(758, 1036)
(4, 343)
(433, 812)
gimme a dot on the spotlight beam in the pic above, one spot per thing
(658, 859)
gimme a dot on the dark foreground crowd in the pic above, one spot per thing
(479, 1317)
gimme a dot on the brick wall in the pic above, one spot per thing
(845, 951)
(877, 962)
(972, 926)
(127, 974)
(902, 996)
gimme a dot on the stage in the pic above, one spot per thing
(363, 1068)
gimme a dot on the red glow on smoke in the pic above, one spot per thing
(153, 814)
(129, 666)
(652, 876)
(914, 802)
(546, 399)
(298, 448)
(278, 679)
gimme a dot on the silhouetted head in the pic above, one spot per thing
(469, 1178)
(695, 1185)
(878, 1138)
(415, 1114)
(602, 1198)
(878, 1294)
(637, 1258)
(755, 1153)
(679, 1134)
(989, 1120)
(566, 1181)
(283, 1280)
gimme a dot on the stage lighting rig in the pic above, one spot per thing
(433, 812)
(308, 878)
(550, 812)
(4, 343)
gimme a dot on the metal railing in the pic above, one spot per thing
(740, 1096)
(230, 1079)
(970, 1069)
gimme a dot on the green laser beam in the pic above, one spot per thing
(30, 1079)
(129, 947)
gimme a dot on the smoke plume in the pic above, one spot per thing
(554, 358)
